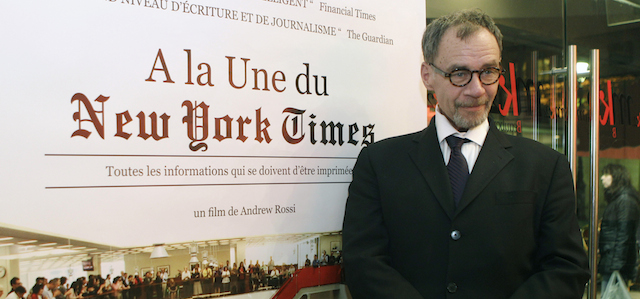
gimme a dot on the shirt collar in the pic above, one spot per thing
(444, 128)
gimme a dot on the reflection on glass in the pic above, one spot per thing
(621, 12)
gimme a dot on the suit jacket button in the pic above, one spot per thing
(452, 288)
(455, 235)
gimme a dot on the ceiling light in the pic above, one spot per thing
(194, 259)
(27, 242)
(159, 251)
(582, 68)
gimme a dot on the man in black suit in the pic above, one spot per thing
(506, 228)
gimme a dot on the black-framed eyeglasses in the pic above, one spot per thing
(462, 77)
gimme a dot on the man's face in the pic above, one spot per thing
(468, 106)
(17, 284)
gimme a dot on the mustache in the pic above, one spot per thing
(474, 103)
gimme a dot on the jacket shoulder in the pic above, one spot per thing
(396, 141)
(392, 148)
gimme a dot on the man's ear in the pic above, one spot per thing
(426, 73)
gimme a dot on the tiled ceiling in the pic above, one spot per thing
(41, 251)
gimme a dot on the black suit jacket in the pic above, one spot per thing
(514, 234)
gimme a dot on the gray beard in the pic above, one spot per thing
(467, 124)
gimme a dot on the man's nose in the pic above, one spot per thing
(475, 86)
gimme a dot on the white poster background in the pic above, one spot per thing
(59, 184)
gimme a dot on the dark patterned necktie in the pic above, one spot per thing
(457, 167)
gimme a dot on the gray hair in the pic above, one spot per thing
(467, 21)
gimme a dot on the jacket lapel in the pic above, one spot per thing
(492, 159)
(428, 158)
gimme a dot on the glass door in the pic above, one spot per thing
(613, 27)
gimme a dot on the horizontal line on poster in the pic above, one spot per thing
(194, 185)
(189, 156)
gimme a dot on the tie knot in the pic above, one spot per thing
(456, 142)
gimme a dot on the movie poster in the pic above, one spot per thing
(245, 117)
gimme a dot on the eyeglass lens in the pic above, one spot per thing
(463, 77)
